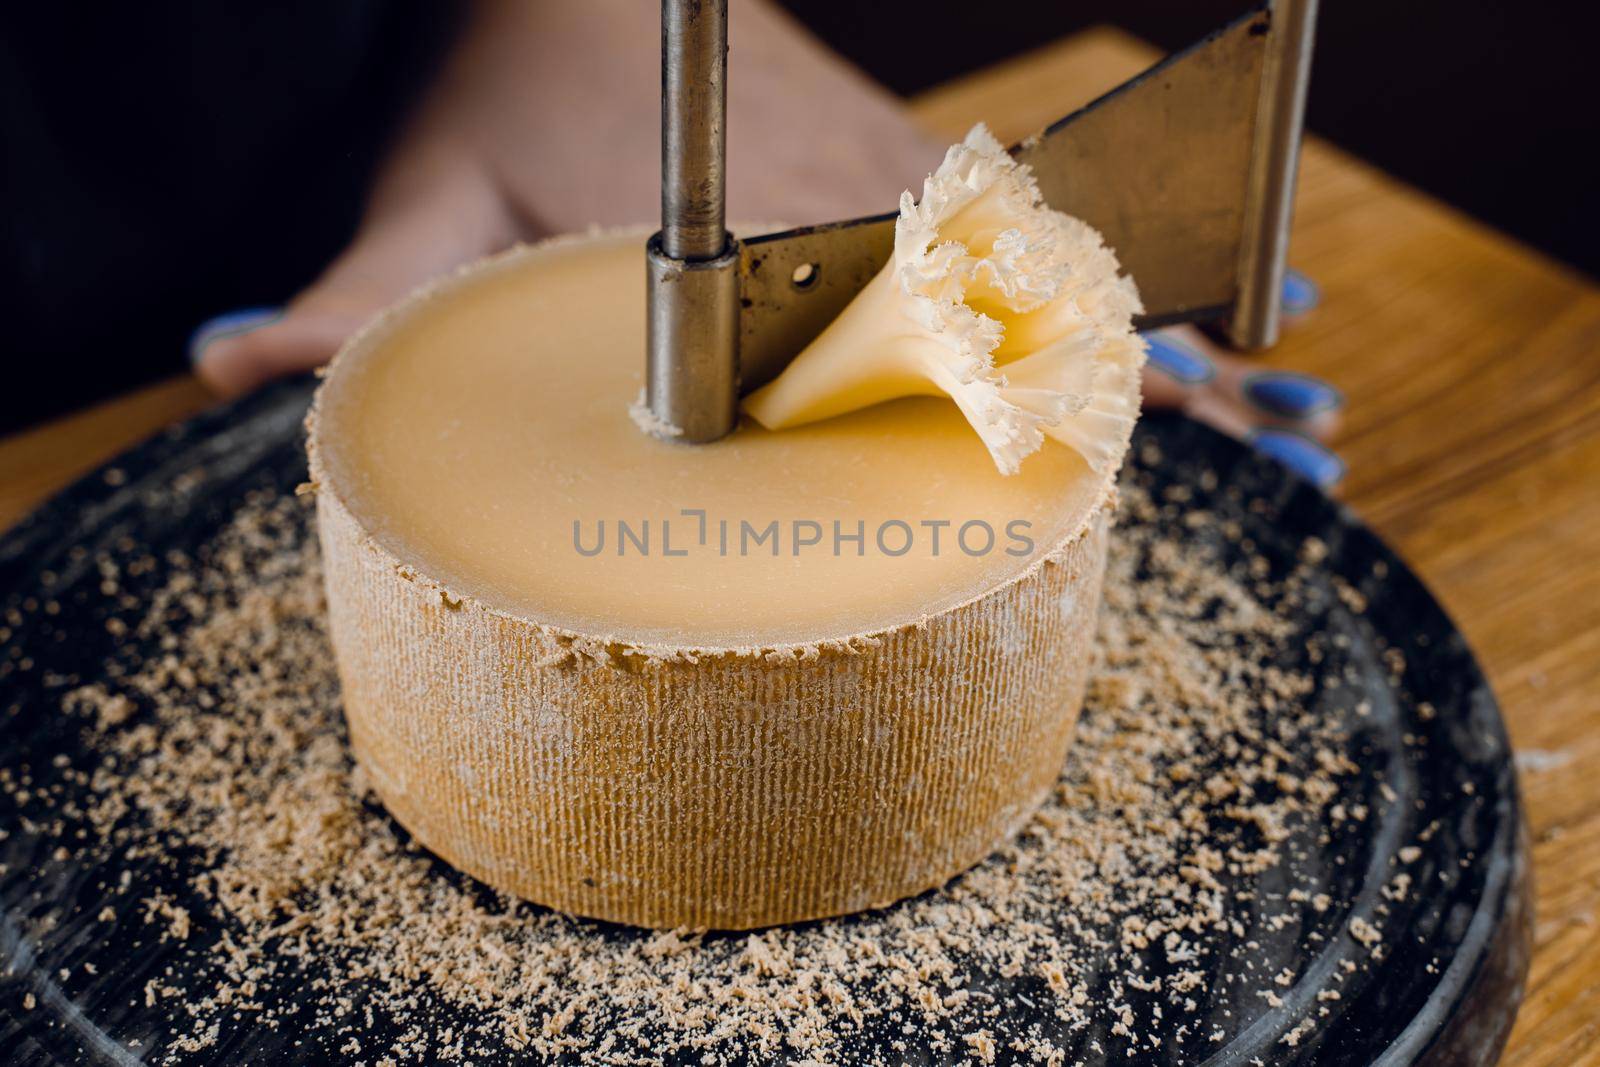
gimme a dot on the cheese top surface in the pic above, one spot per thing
(481, 434)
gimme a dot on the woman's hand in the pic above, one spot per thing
(1282, 414)
(546, 119)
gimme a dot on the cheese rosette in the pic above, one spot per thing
(1017, 312)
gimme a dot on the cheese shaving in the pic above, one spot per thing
(1015, 311)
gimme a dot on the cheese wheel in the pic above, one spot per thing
(779, 677)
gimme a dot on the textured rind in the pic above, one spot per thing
(732, 792)
(725, 787)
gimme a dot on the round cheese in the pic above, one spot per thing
(782, 676)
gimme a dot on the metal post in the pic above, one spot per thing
(694, 104)
(1269, 197)
(691, 372)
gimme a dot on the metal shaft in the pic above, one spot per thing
(692, 265)
(1269, 197)
(694, 106)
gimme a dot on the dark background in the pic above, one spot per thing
(145, 144)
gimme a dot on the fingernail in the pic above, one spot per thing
(1290, 395)
(1179, 360)
(1300, 454)
(230, 324)
(1300, 293)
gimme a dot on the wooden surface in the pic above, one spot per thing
(1472, 369)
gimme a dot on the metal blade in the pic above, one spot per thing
(1160, 166)
(1166, 166)
(792, 284)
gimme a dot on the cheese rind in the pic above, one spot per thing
(733, 792)
(816, 758)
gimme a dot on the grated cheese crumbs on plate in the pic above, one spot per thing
(228, 743)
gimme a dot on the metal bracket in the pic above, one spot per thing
(1188, 170)
(692, 264)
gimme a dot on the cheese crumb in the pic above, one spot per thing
(239, 742)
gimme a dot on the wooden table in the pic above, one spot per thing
(1472, 367)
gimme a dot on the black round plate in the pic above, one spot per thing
(1445, 994)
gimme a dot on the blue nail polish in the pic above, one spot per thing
(1300, 454)
(1300, 294)
(1178, 360)
(230, 324)
(1289, 395)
